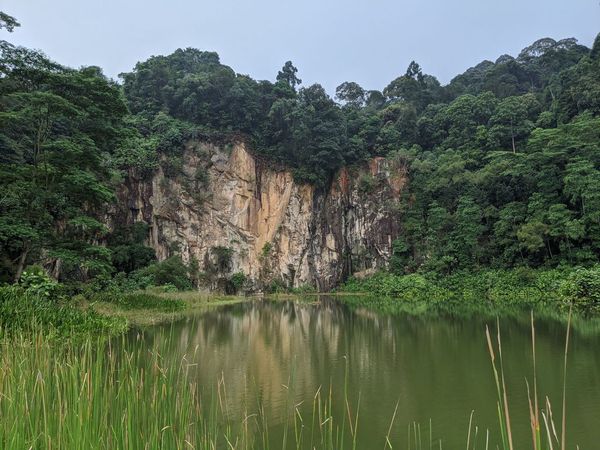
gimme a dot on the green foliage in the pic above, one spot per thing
(303, 289)
(266, 249)
(7, 22)
(171, 271)
(36, 282)
(276, 286)
(22, 311)
(502, 162)
(128, 251)
(521, 287)
(582, 289)
(140, 300)
(223, 257)
(57, 126)
(238, 280)
(366, 183)
(411, 286)
(288, 75)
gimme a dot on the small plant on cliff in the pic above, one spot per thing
(172, 166)
(201, 177)
(223, 256)
(266, 250)
(366, 183)
(238, 280)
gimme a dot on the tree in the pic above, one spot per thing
(287, 74)
(512, 121)
(351, 93)
(462, 117)
(56, 125)
(414, 87)
(595, 53)
(375, 99)
(7, 22)
(467, 231)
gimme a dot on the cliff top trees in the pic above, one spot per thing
(7, 22)
(287, 74)
(503, 160)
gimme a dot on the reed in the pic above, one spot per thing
(110, 394)
(540, 441)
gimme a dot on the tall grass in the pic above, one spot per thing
(540, 440)
(23, 313)
(114, 395)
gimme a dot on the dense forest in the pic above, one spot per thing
(504, 161)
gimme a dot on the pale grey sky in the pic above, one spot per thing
(330, 41)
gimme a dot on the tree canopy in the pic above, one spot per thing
(504, 162)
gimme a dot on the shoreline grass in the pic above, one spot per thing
(166, 306)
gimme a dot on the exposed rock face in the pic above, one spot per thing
(276, 228)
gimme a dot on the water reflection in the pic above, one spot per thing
(435, 367)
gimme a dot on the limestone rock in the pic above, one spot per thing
(276, 227)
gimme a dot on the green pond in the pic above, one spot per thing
(433, 370)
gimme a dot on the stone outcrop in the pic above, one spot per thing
(275, 228)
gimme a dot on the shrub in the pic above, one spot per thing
(223, 256)
(35, 281)
(171, 271)
(304, 289)
(172, 166)
(582, 289)
(366, 183)
(238, 280)
(266, 250)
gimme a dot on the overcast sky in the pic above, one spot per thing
(330, 41)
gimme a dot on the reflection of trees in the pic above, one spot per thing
(435, 367)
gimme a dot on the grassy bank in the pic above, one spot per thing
(154, 307)
(23, 312)
(27, 311)
(552, 289)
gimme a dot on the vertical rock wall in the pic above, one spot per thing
(276, 228)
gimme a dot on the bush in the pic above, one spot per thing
(582, 289)
(366, 183)
(238, 280)
(266, 250)
(304, 289)
(223, 256)
(521, 287)
(171, 271)
(35, 281)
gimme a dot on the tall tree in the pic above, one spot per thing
(288, 74)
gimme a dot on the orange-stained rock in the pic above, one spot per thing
(315, 237)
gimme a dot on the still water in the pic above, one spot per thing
(435, 368)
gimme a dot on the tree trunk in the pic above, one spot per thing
(21, 263)
(512, 136)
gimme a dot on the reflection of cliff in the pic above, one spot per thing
(314, 237)
(436, 368)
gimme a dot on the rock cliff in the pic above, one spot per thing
(274, 230)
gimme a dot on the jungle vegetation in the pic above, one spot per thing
(503, 161)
